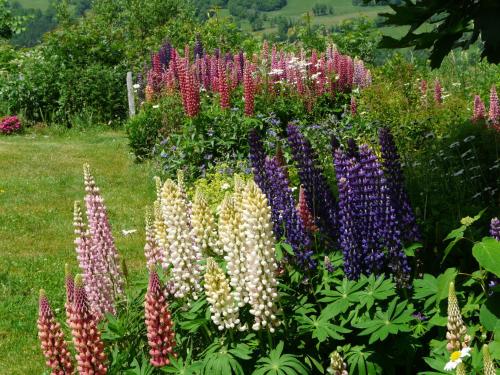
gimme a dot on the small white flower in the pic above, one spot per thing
(276, 72)
(456, 358)
(156, 106)
(225, 186)
(136, 86)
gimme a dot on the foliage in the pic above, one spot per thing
(452, 27)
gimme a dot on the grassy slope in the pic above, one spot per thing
(41, 176)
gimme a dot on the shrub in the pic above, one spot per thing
(9, 125)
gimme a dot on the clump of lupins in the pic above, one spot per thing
(479, 110)
(495, 228)
(320, 199)
(161, 336)
(281, 73)
(337, 365)
(204, 230)
(272, 180)
(97, 254)
(51, 336)
(183, 255)
(223, 307)
(10, 124)
(395, 182)
(261, 263)
(89, 348)
(152, 250)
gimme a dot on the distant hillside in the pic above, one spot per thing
(35, 4)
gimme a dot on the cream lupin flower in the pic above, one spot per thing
(261, 262)
(337, 364)
(152, 250)
(489, 366)
(232, 242)
(457, 332)
(183, 255)
(203, 226)
(222, 304)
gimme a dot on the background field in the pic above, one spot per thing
(41, 4)
(41, 176)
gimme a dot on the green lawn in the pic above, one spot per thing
(41, 176)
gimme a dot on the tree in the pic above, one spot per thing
(456, 24)
(9, 24)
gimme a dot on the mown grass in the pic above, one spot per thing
(41, 176)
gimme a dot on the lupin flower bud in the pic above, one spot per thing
(222, 304)
(337, 365)
(203, 229)
(184, 256)
(161, 336)
(152, 250)
(461, 369)
(488, 364)
(261, 282)
(456, 335)
(495, 228)
(86, 336)
(328, 264)
(51, 336)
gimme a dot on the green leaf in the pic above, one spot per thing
(377, 289)
(386, 323)
(410, 250)
(489, 314)
(279, 364)
(344, 296)
(487, 254)
(360, 361)
(432, 289)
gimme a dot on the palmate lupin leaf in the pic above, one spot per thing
(320, 327)
(384, 323)
(183, 367)
(360, 361)
(221, 360)
(280, 364)
(343, 297)
(377, 289)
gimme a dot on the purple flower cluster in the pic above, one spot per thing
(9, 125)
(198, 50)
(165, 54)
(319, 197)
(271, 178)
(369, 229)
(395, 182)
(495, 228)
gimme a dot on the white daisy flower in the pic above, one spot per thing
(456, 358)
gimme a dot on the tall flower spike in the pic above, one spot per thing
(319, 197)
(222, 304)
(488, 364)
(51, 336)
(257, 159)
(233, 244)
(457, 333)
(261, 262)
(105, 281)
(248, 89)
(395, 182)
(494, 112)
(161, 336)
(337, 365)
(152, 250)
(479, 110)
(305, 213)
(69, 282)
(461, 369)
(204, 230)
(86, 336)
(438, 92)
(184, 256)
(495, 228)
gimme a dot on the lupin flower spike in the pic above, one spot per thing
(488, 364)
(337, 365)
(495, 228)
(204, 231)
(152, 250)
(222, 304)
(183, 255)
(479, 110)
(86, 336)
(161, 336)
(51, 336)
(261, 262)
(494, 111)
(456, 335)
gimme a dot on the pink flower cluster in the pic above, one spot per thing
(275, 73)
(96, 251)
(51, 336)
(161, 336)
(493, 112)
(9, 125)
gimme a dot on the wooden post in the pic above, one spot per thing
(130, 94)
